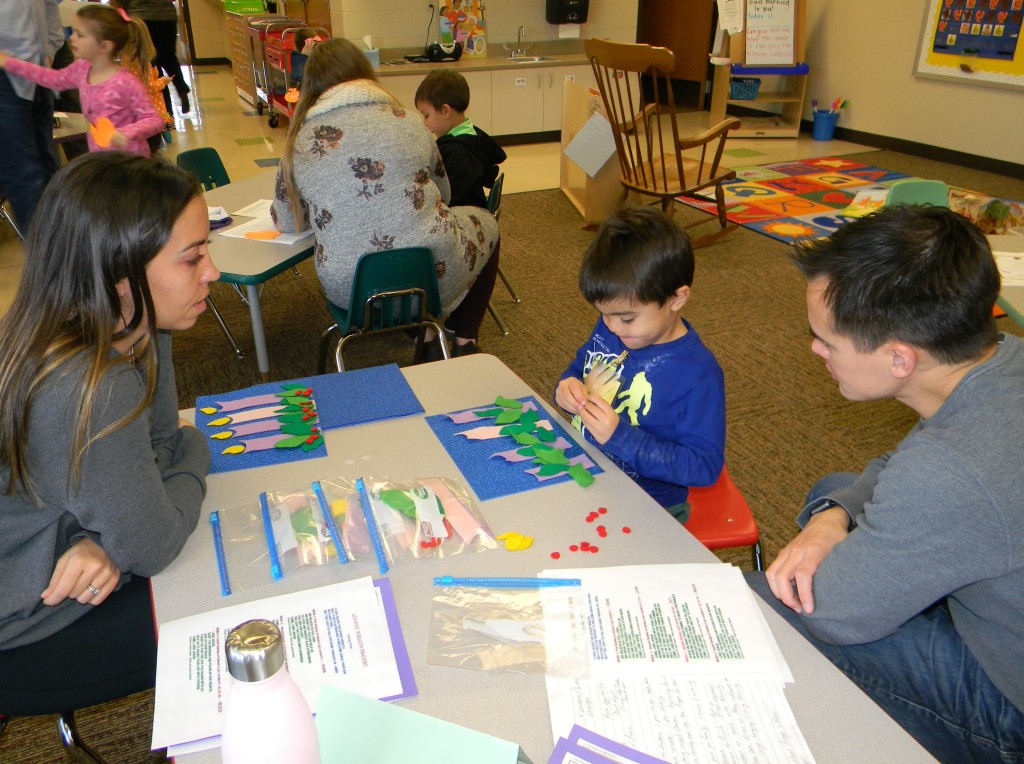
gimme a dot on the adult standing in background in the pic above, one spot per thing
(161, 18)
(30, 31)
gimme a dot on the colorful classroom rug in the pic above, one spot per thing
(811, 198)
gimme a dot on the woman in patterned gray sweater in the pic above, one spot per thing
(367, 175)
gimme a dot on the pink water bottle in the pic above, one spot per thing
(267, 720)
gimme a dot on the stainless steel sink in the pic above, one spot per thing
(530, 59)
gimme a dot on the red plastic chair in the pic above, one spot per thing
(720, 518)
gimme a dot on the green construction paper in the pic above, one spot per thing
(507, 416)
(354, 728)
(547, 455)
(296, 418)
(581, 475)
(550, 469)
(306, 446)
(529, 418)
(488, 413)
(525, 438)
(545, 435)
(399, 501)
(292, 442)
(508, 403)
(298, 428)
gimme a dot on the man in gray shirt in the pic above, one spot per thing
(910, 575)
(30, 30)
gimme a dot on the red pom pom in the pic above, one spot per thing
(555, 555)
(574, 548)
(626, 529)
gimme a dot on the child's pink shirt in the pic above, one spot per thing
(121, 98)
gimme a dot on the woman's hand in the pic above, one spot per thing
(118, 140)
(3, 59)
(81, 571)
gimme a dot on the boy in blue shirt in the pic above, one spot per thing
(659, 414)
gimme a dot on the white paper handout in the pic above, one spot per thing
(664, 619)
(593, 145)
(259, 225)
(1009, 253)
(682, 665)
(689, 720)
(337, 633)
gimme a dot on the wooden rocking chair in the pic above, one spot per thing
(643, 117)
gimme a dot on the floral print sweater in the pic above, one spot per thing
(370, 177)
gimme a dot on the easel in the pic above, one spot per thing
(789, 90)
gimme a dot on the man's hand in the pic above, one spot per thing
(85, 564)
(571, 395)
(791, 575)
(3, 59)
(118, 139)
(599, 418)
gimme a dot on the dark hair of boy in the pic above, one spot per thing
(444, 86)
(920, 274)
(639, 254)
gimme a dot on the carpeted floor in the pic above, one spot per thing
(787, 424)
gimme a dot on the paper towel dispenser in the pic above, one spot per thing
(566, 11)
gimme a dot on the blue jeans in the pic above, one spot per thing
(26, 148)
(924, 677)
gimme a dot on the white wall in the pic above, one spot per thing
(864, 51)
(403, 23)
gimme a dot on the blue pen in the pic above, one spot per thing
(507, 583)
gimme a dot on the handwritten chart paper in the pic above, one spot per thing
(770, 32)
(682, 665)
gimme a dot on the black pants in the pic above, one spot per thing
(165, 41)
(107, 654)
(469, 314)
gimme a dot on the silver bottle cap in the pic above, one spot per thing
(254, 650)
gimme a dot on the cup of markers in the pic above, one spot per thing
(824, 127)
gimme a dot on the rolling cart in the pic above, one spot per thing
(281, 79)
(263, 29)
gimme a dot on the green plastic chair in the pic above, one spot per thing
(392, 289)
(494, 207)
(205, 164)
(918, 191)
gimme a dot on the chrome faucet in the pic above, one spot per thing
(520, 35)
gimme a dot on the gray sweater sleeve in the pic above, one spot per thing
(142, 486)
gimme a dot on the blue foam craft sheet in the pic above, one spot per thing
(481, 463)
(342, 399)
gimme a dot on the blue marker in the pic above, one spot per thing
(507, 583)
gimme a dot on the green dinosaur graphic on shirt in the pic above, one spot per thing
(638, 395)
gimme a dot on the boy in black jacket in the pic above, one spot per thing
(471, 157)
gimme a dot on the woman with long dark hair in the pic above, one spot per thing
(101, 484)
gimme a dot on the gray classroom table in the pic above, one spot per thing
(250, 263)
(839, 722)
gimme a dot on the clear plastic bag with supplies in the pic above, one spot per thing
(423, 518)
(502, 628)
(300, 530)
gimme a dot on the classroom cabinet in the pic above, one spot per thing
(529, 99)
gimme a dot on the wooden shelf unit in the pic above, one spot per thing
(780, 85)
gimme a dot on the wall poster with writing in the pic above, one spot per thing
(770, 32)
(974, 41)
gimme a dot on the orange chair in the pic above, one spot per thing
(720, 518)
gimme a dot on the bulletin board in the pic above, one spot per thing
(973, 41)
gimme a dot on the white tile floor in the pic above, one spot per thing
(247, 145)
